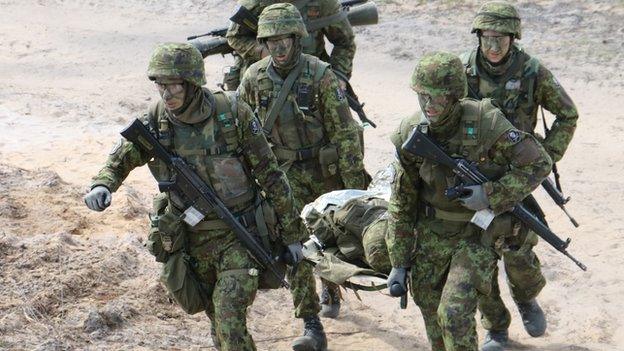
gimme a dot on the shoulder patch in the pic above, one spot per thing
(254, 126)
(513, 136)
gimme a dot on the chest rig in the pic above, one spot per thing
(513, 91)
(213, 149)
(478, 131)
(297, 133)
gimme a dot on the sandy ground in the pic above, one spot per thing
(73, 73)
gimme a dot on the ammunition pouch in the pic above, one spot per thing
(328, 160)
(182, 283)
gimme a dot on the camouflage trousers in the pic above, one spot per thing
(223, 266)
(451, 271)
(307, 184)
(524, 277)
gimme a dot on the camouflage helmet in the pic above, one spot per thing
(280, 19)
(177, 60)
(440, 73)
(498, 16)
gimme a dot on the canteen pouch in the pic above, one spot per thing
(328, 160)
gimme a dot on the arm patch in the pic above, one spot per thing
(525, 152)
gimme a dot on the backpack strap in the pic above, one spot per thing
(226, 117)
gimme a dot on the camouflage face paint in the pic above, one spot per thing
(172, 92)
(434, 107)
(281, 49)
(494, 45)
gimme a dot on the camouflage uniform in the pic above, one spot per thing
(519, 86)
(314, 137)
(452, 261)
(340, 34)
(225, 147)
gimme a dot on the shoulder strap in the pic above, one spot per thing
(469, 59)
(471, 122)
(281, 97)
(226, 115)
(161, 125)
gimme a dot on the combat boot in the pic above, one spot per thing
(532, 317)
(495, 340)
(330, 300)
(313, 338)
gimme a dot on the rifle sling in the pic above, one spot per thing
(277, 105)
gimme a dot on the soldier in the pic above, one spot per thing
(339, 33)
(305, 115)
(351, 225)
(519, 84)
(221, 138)
(337, 30)
(451, 259)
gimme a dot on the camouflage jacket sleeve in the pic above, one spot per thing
(342, 131)
(245, 90)
(243, 40)
(264, 166)
(550, 94)
(528, 164)
(123, 158)
(402, 212)
(341, 36)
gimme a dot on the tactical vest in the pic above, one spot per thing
(479, 129)
(298, 133)
(513, 92)
(211, 147)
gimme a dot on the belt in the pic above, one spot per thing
(436, 213)
(247, 219)
(286, 154)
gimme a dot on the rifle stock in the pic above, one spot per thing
(421, 145)
(200, 195)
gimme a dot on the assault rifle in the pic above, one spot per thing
(200, 196)
(421, 145)
(358, 12)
